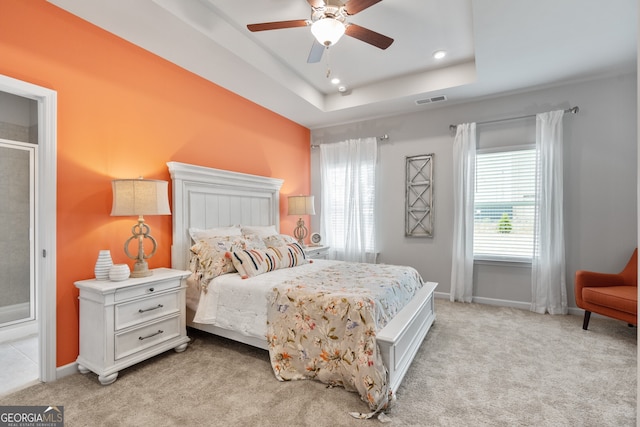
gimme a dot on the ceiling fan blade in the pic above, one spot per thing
(277, 25)
(354, 6)
(315, 3)
(368, 36)
(317, 50)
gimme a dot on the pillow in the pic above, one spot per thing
(290, 255)
(260, 230)
(211, 257)
(279, 240)
(198, 233)
(229, 243)
(253, 262)
(253, 241)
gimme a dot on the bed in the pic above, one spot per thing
(206, 198)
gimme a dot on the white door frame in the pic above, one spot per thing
(45, 243)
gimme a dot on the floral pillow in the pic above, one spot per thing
(211, 257)
(254, 241)
(260, 230)
(199, 234)
(253, 262)
(278, 240)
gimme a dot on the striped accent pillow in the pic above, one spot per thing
(253, 262)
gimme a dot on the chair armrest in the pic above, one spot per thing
(593, 279)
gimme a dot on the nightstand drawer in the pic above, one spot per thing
(139, 339)
(123, 294)
(142, 310)
(317, 252)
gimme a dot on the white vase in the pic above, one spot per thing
(103, 265)
(119, 272)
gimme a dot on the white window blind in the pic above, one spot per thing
(504, 205)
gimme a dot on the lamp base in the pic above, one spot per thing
(300, 232)
(140, 231)
(141, 269)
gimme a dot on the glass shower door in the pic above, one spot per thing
(17, 210)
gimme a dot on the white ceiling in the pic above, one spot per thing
(494, 47)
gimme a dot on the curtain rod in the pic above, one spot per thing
(572, 110)
(381, 138)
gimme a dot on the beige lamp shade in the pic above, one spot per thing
(140, 197)
(301, 205)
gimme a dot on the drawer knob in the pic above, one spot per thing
(160, 331)
(151, 289)
(150, 309)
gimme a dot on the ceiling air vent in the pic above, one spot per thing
(432, 99)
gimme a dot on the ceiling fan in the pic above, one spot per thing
(328, 23)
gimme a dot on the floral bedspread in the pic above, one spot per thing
(323, 326)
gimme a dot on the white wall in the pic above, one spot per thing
(600, 179)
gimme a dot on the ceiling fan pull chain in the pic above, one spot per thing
(328, 56)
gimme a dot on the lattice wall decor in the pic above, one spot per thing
(419, 196)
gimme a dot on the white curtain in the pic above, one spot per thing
(348, 174)
(464, 165)
(548, 287)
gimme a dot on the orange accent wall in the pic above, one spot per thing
(122, 113)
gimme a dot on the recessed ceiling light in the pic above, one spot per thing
(335, 80)
(439, 54)
(342, 89)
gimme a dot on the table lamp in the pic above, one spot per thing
(301, 205)
(140, 197)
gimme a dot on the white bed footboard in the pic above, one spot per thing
(400, 339)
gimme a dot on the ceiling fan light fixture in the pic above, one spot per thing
(327, 31)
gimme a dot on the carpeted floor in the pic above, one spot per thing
(479, 366)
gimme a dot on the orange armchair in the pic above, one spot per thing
(611, 295)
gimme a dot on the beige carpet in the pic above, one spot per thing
(479, 366)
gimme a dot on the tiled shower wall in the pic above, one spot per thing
(14, 132)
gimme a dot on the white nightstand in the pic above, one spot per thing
(316, 252)
(123, 323)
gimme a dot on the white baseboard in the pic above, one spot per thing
(579, 312)
(66, 370)
(508, 303)
(441, 295)
(503, 303)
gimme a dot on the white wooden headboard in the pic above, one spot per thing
(205, 198)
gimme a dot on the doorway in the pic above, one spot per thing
(17, 214)
(17, 260)
(28, 229)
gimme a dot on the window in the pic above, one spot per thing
(341, 205)
(348, 177)
(504, 205)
